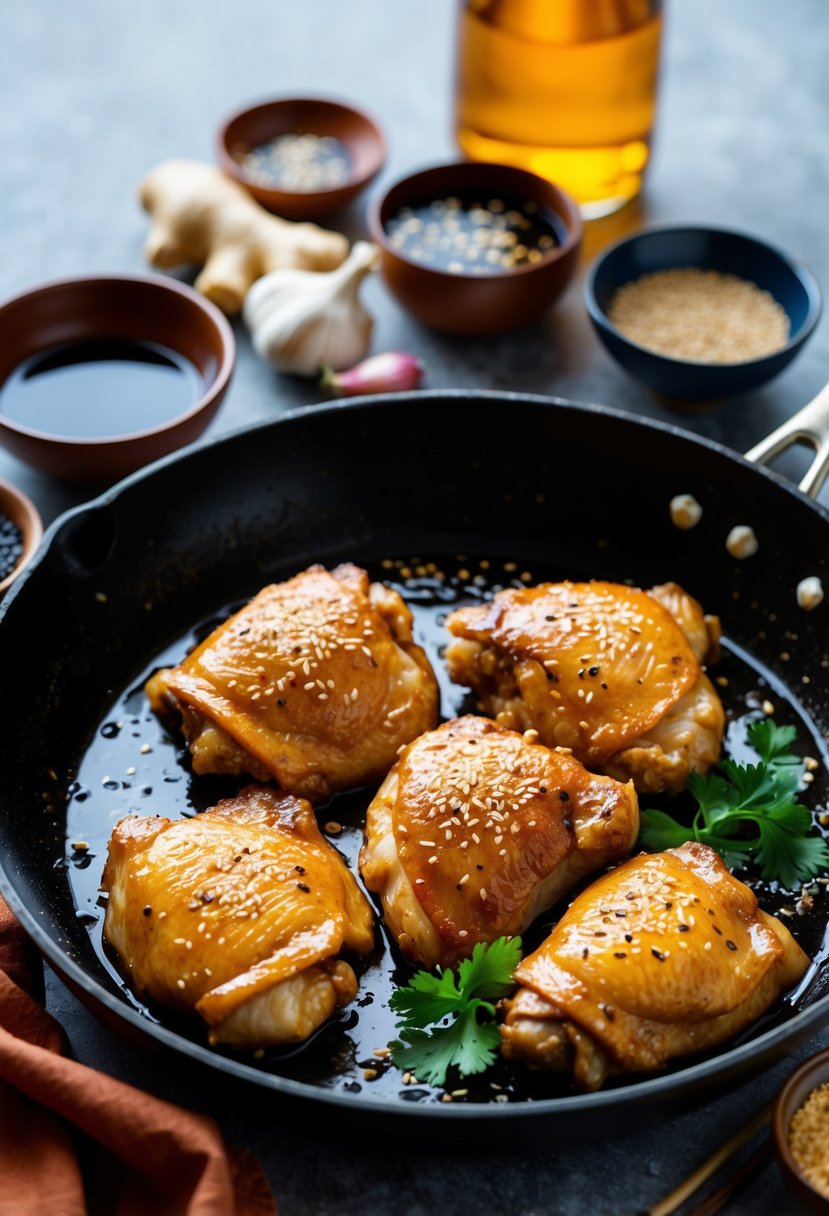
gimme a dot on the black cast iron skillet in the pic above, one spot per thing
(579, 487)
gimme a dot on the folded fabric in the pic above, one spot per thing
(74, 1142)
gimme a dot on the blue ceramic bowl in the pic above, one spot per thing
(791, 283)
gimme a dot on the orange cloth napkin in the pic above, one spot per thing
(74, 1142)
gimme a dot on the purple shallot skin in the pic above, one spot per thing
(390, 372)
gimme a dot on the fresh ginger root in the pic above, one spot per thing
(201, 216)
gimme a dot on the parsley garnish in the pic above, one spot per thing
(771, 743)
(750, 812)
(463, 1041)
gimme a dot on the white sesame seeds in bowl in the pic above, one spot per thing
(698, 313)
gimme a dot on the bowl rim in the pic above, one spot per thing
(798, 268)
(217, 386)
(570, 215)
(354, 183)
(19, 508)
(817, 1064)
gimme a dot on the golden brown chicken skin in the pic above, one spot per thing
(315, 683)
(239, 914)
(478, 829)
(604, 669)
(667, 955)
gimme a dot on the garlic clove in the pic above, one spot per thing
(809, 592)
(686, 512)
(742, 542)
(387, 373)
(301, 320)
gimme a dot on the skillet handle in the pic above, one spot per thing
(809, 425)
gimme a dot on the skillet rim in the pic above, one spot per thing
(381, 400)
(671, 1086)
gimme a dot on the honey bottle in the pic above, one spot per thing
(565, 88)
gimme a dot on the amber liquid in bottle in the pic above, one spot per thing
(565, 88)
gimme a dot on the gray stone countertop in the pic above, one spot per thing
(93, 94)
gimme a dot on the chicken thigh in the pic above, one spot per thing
(239, 914)
(477, 829)
(609, 671)
(667, 955)
(315, 683)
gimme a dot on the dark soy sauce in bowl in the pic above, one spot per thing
(101, 389)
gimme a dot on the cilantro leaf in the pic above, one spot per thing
(714, 796)
(477, 1051)
(468, 1045)
(430, 1055)
(752, 784)
(772, 742)
(750, 813)
(488, 973)
(658, 831)
(465, 1042)
(426, 998)
(787, 854)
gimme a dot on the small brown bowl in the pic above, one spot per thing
(21, 511)
(811, 1074)
(467, 304)
(249, 128)
(139, 308)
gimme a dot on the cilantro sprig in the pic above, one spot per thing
(750, 813)
(772, 744)
(459, 1012)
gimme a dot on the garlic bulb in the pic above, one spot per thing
(302, 319)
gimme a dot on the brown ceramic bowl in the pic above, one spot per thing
(127, 307)
(249, 128)
(21, 511)
(811, 1073)
(469, 304)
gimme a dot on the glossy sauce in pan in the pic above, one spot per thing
(136, 764)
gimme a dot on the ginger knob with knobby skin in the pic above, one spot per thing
(201, 216)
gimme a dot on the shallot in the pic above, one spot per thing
(387, 373)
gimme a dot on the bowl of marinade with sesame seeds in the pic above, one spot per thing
(699, 313)
(20, 532)
(476, 249)
(301, 157)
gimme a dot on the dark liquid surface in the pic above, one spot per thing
(137, 765)
(97, 390)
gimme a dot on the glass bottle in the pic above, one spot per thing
(565, 88)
